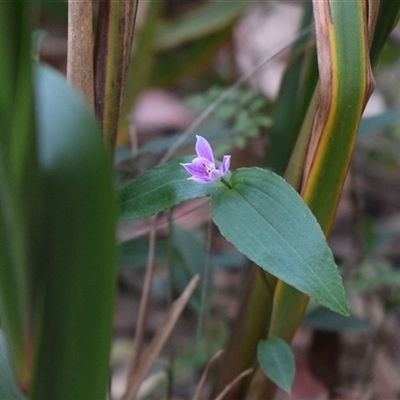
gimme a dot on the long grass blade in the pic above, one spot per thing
(345, 85)
(19, 186)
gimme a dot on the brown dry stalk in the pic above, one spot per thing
(80, 48)
(206, 372)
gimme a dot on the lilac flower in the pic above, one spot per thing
(203, 168)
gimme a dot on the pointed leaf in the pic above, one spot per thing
(77, 268)
(159, 189)
(277, 362)
(266, 219)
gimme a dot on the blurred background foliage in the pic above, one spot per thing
(185, 57)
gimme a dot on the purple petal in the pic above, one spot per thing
(200, 180)
(197, 170)
(226, 162)
(201, 160)
(204, 150)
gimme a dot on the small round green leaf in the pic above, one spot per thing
(266, 220)
(276, 359)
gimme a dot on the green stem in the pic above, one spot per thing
(226, 183)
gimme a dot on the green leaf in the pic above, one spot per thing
(266, 219)
(277, 362)
(211, 17)
(159, 189)
(323, 319)
(19, 184)
(8, 386)
(76, 278)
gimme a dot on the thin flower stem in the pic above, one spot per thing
(226, 183)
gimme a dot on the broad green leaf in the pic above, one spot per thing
(159, 189)
(296, 89)
(77, 275)
(276, 359)
(266, 219)
(8, 386)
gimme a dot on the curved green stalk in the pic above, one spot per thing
(112, 54)
(345, 85)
